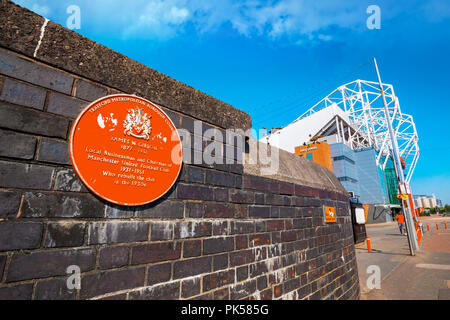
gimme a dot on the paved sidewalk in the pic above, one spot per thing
(425, 276)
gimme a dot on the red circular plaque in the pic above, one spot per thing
(126, 150)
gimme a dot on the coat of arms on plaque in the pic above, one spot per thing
(137, 124)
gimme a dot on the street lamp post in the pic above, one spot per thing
(412, 238)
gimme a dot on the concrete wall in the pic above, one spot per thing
(222, 232)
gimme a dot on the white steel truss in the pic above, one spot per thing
(362, 101)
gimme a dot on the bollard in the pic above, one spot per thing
(369, 247)
(428, 227)
(445, 223)
(437, 226)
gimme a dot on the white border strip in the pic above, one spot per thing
(42, 36)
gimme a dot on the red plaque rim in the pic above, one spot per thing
(80, 176)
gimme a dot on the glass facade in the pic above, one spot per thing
(358, 173)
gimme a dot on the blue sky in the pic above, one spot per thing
(275, 59)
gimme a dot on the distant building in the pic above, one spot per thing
(424, 201)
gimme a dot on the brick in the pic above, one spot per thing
(20, 235)
(242, 273)
(220, 194)
(23, 94)
(299, 223)
(184, 230)
(192, 192)
(54, 289)
(222, 294)
(30, 121)
(51, 263)
(302, 191)
(238, 258)
(159, 273)
(274, 212)
(261, 283)
(25, 176)
(161, 230)
(242, 227)
(192, 248)
(53, 151)
(288, 236)
(194, 174)
(275, 225)
(165, 209)
(303, 291)
(46, 205)
(221, 179)
(187, 124)
(89, 91)
(10, 202)
(287, 212)
(256, 183)
(192, 267)
(220, 262)
(218, 245)
(175, 117)
(259, 212)
(117, 232)
(17, 145)
(96, 284)
(238, 181)
(190, 287)
(241, 242)
(64, 234)
(220, 228)
(266, 294)
(259, 240)
(194, 210)
(168, 291)
(219, 210)
(278, 291)
(155, 252)
(67, 180)
(18, 292)
(113, 211)
(242, 290)
(65, 106)
(260, 226)
(113, 257)
(258, 269)
(40, 75)
(259, 198)
(241, 196)
(240, 211)
(2, 264)
(286, 188)
(217, 280)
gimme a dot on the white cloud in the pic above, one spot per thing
(298, 21)
(159, 19)
(42, 10)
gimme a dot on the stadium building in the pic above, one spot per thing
(347, 132)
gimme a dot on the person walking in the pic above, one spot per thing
(401, 223)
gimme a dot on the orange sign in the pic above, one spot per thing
(330, 214)
(126, 150)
